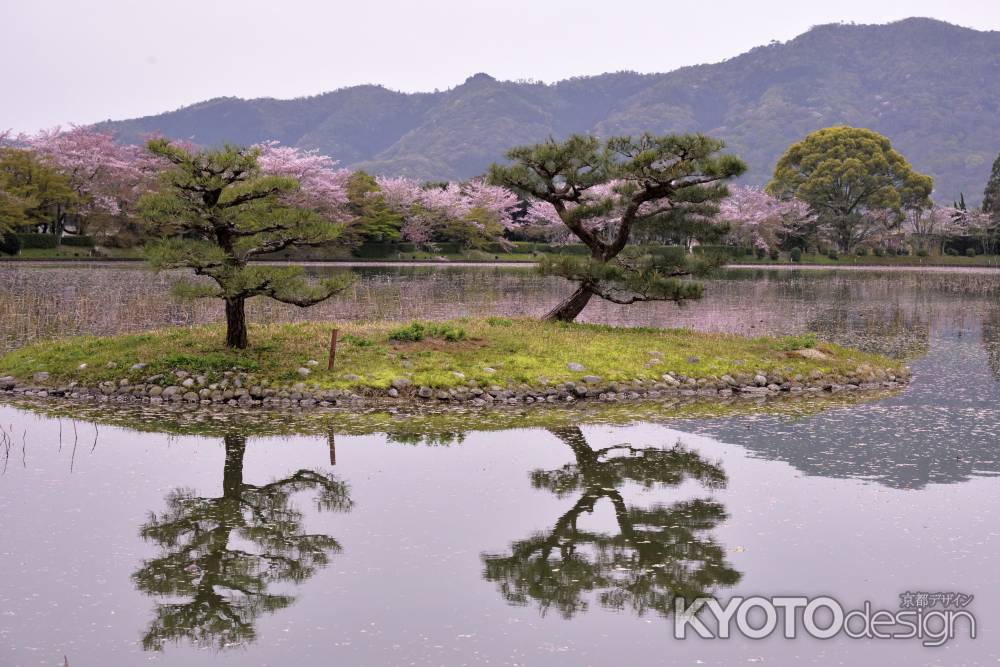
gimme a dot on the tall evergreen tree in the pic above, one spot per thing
(991, 196)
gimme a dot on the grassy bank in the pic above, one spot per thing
(872, 260)
(491, 351)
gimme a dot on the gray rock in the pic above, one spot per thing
(591, 379)
(187, 383)
(425, 392)
(401, 383)
(191, 397)
(304, 372)
(41, 376)
(489, 370)
(312, 362)
(760, 380)
(575, 367)
(138, 367)
(394, 393)
(351, 377)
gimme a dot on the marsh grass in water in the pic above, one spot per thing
(447, 354)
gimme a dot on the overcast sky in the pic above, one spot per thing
(74, 61)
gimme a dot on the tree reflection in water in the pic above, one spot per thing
(659, 552)
(220, 556)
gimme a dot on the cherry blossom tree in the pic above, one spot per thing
(107, 177)
(762, 221)
(470, 212)
(322, 185)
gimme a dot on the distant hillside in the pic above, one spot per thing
(931, 87)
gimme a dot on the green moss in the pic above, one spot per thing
(490, 351)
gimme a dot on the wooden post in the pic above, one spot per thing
(333, 349)
(331, 440)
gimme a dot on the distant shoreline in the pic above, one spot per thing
(785, 266)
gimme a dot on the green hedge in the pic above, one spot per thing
(389, 250)
(381, 250)
(32, 240)
(723, 250)
(78, 241)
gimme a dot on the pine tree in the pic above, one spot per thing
(214, 211)
(603, 192)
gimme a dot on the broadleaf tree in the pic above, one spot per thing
(215, 210)
(603, 191)
(854, 181)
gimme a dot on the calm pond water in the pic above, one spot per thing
(133, 538)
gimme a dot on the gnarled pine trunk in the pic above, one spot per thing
(236, 323)
(572, 306)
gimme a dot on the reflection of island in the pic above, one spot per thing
(937, 431)
(658, 553)
(221, 555)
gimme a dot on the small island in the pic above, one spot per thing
(469, 361)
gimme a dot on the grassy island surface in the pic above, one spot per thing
(441, 355)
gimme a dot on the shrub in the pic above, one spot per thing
(902, 251)
(760, 252)
(970, 252)
(774, 254)
(833, 254)
(922, 252)
(727, 251)
(78, 241)
(10, 244)
(879, 252)
(499, 321)
(417, 331)
(951, 251)
(357, 341)
(799, 342)
(45, 241)
(861, 252)
(796, 254)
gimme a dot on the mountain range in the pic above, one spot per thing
(933, 88)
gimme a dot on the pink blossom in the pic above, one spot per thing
(106, 174)
(323, 186)
(423, 208)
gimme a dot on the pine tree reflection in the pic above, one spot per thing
(221, 556)
(659, 552)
